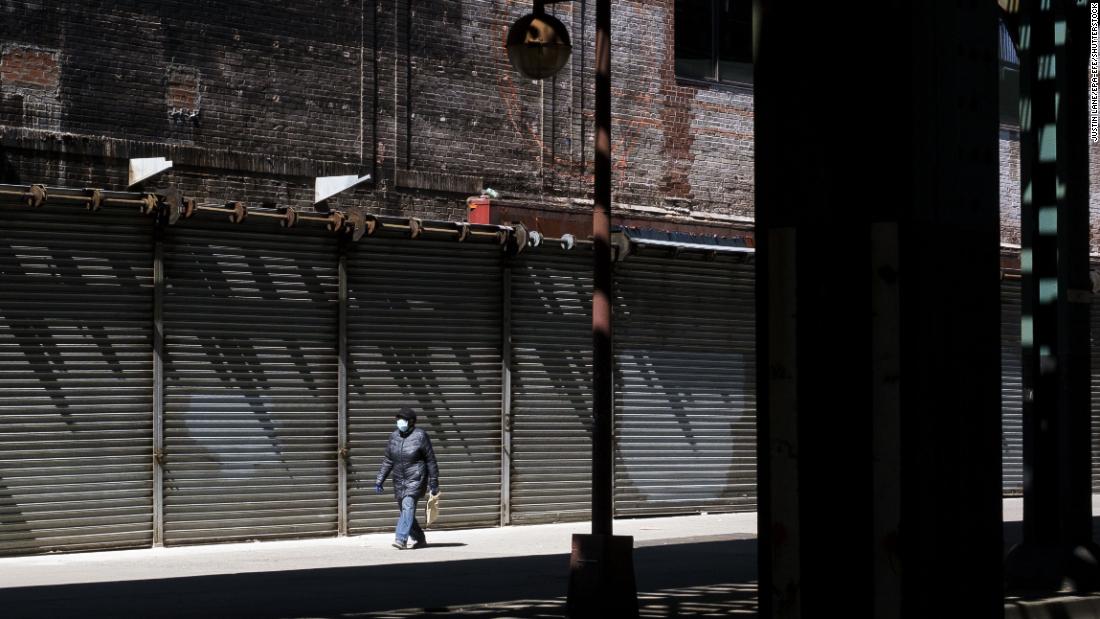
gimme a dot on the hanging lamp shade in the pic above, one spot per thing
(538, 45)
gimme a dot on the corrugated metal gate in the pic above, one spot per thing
(1012, 388)
(1012, 401)
(424, 330)
(685, 428)
(251, 380)
(251, 384)
(76, 397)
(551, 344)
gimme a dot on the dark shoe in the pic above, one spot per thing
(421, 544)
(398, 545)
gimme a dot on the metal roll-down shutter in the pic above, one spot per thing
(685, 405)
(250, 383)
(424, 330)
(1012, 402)
(551, 329)
(76, 380)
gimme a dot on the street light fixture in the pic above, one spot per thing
(601, 579)
(538, 44)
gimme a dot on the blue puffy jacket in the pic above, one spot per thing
(410, 457)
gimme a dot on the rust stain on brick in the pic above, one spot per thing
(509, 95)
(183, 88)
(28, 67)
(676, 111)
(626, 128)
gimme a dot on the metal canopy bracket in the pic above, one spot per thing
(521, 238)
(36, 196)
(327, 186)
(238, 211)
(174, 206)
(142, 169)
(357, 223)
(336, 222)
(95, 199)
(290, 217)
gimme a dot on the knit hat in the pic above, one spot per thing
(407, 414)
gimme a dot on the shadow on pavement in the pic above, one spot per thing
(725, 600)
(673, 580)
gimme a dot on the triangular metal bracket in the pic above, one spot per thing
(328, 186)
(142, 169)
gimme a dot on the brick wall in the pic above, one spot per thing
(1094, 197)
(250, 99)
(1010, 190)
(255, 98)
(29, 81)
(1010, 186)
(30, 68)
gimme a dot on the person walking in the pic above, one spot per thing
(409, 456)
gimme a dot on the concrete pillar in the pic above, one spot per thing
(1057, 549)
(878, 309)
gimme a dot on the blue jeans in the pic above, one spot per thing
(406, 522)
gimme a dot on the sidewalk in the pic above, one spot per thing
(684, 565)
(354, 551)
(687, 565)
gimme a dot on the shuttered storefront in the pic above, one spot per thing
(250, 383)
(684, 385)
(1012, 401)
(76, 397)
(551, 351)
(424, 330)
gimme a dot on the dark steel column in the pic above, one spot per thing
(878, 343)
(601, 582)
(1057, 546)
(602, 378)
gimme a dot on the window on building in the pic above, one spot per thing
(714, 40)
(1009, 72)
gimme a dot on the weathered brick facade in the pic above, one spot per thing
(1010, 186)
(252, 100)
(1010, 190)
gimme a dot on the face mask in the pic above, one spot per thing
(402, 425)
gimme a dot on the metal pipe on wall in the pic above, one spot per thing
(506, 398)
(343, 453)
(158, 385)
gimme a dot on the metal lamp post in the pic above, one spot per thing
(601, 582)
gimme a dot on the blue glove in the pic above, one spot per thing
(434, 489)
(378, 488)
